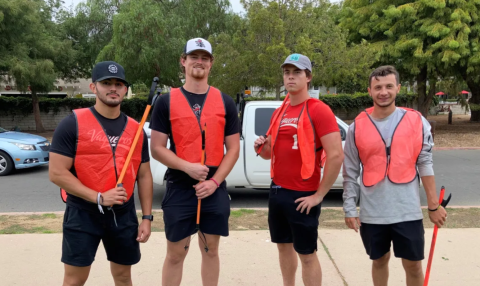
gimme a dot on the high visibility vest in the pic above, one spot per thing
(97, 164)
(187, 128)
(305, 134)
(397, 162)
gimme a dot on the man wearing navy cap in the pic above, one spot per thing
(89, 149)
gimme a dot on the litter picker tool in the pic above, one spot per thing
(151, 100)
(199, 205)
(443, 203)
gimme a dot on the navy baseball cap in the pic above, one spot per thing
(108, 69)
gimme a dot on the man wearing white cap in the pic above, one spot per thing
(180, 116)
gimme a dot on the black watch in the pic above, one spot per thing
(149, 217)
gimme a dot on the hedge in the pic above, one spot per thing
(356, 101)
(135, 107)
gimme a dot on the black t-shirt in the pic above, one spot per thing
(64, 142)
(160, 122)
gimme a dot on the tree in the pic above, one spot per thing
(274, 29)
(33, 53)
(149, 35)
(423, 38)
(90, 28)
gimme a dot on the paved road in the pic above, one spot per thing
(30, 190)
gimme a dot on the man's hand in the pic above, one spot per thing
(307, 203)
(259, 142)
(353, 223)
(205, 189)
(197, 171)
(438, 217)
(144, 231)
(115, 196)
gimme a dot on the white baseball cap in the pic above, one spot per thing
(198, 44)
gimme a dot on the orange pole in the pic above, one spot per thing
(134, 144)
(434, 240)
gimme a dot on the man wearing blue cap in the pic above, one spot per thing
(300, 131)
(89, 149)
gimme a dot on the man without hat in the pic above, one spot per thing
(300, 131)
(180, 116)
(390, 149)
(88, 153)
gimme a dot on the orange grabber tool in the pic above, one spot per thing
(150, 102)
(443, 203)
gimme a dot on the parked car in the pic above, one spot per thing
(20, 150)
(250, 171)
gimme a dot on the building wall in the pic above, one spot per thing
(27, 123)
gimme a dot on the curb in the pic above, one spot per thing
(455, 148)
(233, 209)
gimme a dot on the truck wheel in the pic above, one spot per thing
(6, 164)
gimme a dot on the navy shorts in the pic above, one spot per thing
(83, 230)
(180, 212)
(408, 239)
(287, 225)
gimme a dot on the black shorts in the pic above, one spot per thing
(408, 239)
(83, 230)
(287, 225)
(180, 212)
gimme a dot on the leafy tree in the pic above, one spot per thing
(423, 38)
(274, 29)
(33, 53)
(149, 35)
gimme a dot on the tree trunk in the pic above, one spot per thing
(474, 102)
(423, 101)
(36, 112)
(277, 92)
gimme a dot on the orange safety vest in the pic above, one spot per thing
(397, 162)
(186, 136)
(306, 137)
(96, 163)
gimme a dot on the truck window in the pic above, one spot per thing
(262, 120)
(343, 132)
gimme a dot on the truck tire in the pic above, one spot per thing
(6, 164)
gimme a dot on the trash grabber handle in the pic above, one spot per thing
(434, 238)
(202, 161)
(139, 131)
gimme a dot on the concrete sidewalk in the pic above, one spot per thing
(247, 258)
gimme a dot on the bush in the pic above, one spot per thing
(355, 101)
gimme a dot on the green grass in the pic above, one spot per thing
(49, 216)
(239, 213)
(14, 229)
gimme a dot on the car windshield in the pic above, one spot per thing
(2, 130)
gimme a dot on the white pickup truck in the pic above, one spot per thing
(250, 171)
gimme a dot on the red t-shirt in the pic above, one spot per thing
(288, 161)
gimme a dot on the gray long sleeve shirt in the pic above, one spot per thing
(386, 202)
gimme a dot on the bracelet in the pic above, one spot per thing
(216, 183)
(99, 195)
(435, 209)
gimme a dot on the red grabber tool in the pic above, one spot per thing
(443, 203)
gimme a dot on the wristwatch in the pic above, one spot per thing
(149, 217)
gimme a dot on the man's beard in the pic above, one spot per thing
(385, 104)
(199, 74)
(110, 102)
